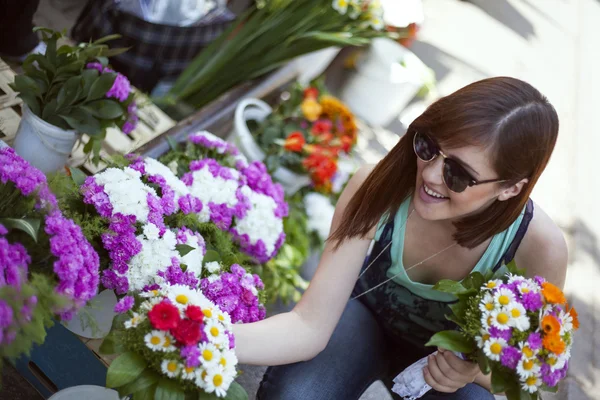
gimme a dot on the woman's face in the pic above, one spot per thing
(453, 205)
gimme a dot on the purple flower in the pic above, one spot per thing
(499, 333)
(210, 141)
(128, 127)
(532, 301)
(534, 341)
(120, 89)
(191, 355)
(94, 194)
(175, 276)
(189, 204)
(95, 65)
(124, 305)
(510, 357)
(539, 280)
(549, 377)
(6, 315)
(231, 339)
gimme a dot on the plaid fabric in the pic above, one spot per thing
(157, 51)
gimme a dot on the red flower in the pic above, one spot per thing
(347, 143)
(164, 316)
(294, 142)
(321, 127)
(188, 332)
(320, 167)
(194, 313)
(311, 92)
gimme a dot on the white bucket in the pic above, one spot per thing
(258, 110)
(87, 392)
(381, 87)
(43, 145)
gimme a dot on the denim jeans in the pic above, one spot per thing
(357, 354)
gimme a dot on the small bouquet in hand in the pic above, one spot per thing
(175, 344)
(517, 328)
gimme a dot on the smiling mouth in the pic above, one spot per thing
(433, 193)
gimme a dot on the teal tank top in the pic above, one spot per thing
(413, 311)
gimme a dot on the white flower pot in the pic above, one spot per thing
(88, 392)
(381, 87)
(258, 110)
(43, 145)
(100, 310)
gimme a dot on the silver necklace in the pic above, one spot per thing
(405, 269)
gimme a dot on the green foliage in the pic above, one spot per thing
(452, 340)
(57, 87)
(30, 226)
(124, 369)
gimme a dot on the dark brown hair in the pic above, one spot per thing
(506, 115)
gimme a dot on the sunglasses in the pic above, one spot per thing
(455, 176)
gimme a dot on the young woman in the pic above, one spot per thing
(450, 198)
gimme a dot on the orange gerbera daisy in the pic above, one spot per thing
(552, 294)
(554, 344)
(550, 325)
(573, 313)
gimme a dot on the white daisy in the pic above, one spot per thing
(487, 304)
(527, 367)
(168, 343)
(209, 355)
(493, 348)
(150, 293)
(171, 368)
(531, 383)
(215, 332)
(527, 352)
(181, 296)
(493, 284)
(150, 303)
(527, 287)
(503, 297)
(213, 267)
(224, 318)
(482, 338)
(228, 360)
(190, 373)
(201, 374)
(217, 381)
(340, 6)
(134, 321)
(566, 320)
(155, 340)
(486, 320)
(556, 362)
(518, 316)
(501, 319)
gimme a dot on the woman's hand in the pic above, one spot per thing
(447, 373)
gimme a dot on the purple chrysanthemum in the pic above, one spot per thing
(534, 341)
(532, 301)
(120, 89)
(124, 305)
(191, 355)
(510, 357)
(505, 334)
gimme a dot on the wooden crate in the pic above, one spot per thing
(153, 122)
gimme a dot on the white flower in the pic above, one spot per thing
(168, 343)
(527, 352)
(215, 332)
(194, 258)
(154, 167)
(487, 304)
(171, 368)
(501, 319)
(320, 214)
(482, 338)
(126, 192)
(518, 316)
(181, 296)
(155, 255)
(209, 355)
(376, 21)
(134, 321)
(213, 278)
(151, 232)
(173, 166)
(527, 367)
(155, 340)
(260, 222)
(555, 361)
(228, 361)
(566, 322)
(150, 303)
(493, 348)
(531, 383)
(150, 293)
(527, 287)
(190, 373)
(208, 188)
(503, 297)
(217, 381)
(224, 318)
(222, 144)
(340, 6)
(493, 284)
(213, 267)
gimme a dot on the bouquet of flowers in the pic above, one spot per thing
(47, 267)
(308, 133)
(519, 329)
(278, 31)
(240, 197)
(175, 343)
(72, 88)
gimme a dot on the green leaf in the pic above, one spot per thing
(172, 143)
(104, 109)
(24, 84)
(77, 175)
(88, 76)
(449, 286)
(101, 86)
(269, 135)
(42, 62)
(69, 92)
(30, 226)
(475, 280)
(115, 52)
(49, 109)
(145, 394)
(32, 102)
(124, 369)
(501, 379)
(83, 122)
(210, 256)
(71, 68)
(553, 389)
(236, 392)
(184, 249)
(103, 61)
(202, 395)
(168, 390)
(452, 340)
(107, 38)
(145, 380)
(513, 269)
(484, 363)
